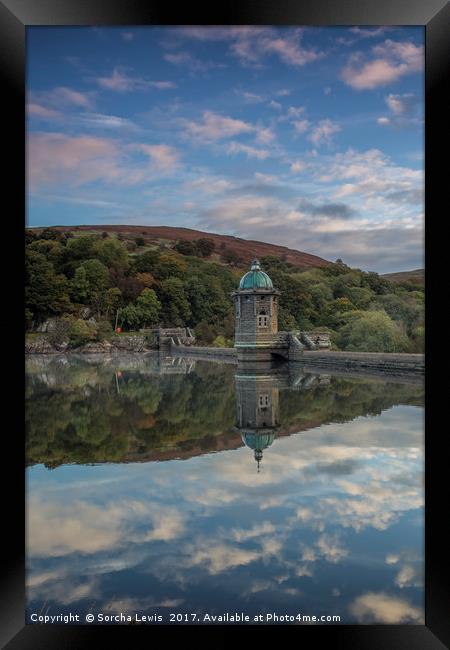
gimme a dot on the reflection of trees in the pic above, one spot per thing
(80, 412)
(96, 419)
(344, 399)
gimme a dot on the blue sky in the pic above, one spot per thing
(309, 137)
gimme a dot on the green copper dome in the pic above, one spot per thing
(258, 441)
(255, 278)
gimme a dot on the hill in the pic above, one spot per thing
(244, 249)
(417, 276)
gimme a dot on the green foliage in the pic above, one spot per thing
(81, 332)
(185, 247)
(205, 247)
(149, 306)
(205, 333)
(371, 331)
(130, 317)
(231, 257)
(144, 313)
(49, 233)
(104, 331)
(176, 310)
(46, 292)
(112, 252)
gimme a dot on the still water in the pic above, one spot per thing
(176, 489)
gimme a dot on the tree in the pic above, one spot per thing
(205, 333)
(205, 246)
(149, 306)
(146, 279)
(371, 331)
(112, 252)
(169, 266)
(52, 249)
(146, 262)
(97, 276)
(49, 233)
(82, 332)
(80, 285)
(185, 247)
(46, 292)
(81, 248)
(286, 322)
(112, 299)
(175, 306)
(231, 257)
(130, 317)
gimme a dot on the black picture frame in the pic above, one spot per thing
(434, 16)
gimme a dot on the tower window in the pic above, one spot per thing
(263, 321)
(263, 400)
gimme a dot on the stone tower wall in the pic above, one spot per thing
(257, 403)
(246, 317)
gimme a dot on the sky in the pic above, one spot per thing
(307, 137)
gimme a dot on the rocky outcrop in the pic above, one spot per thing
(40, 344)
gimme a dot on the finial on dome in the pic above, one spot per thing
(255, 265)
(258, 458)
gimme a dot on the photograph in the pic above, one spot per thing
(224, 310)
(224, 325)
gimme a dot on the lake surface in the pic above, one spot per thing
(176, 489)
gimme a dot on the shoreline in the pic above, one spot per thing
(379, 363)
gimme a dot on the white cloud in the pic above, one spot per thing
(120, 81)
(301, 126)
(393, 60)
(405, 111)
(383, 608)
(298, 166)
(252, 45)
(38, 111)
(62, 96)
(192, 63)
(275, 105)
(216, 127)
(323, 132)
(163, 157)
(249, 151)
(56, 159)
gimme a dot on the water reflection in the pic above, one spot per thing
(332, 524)
(258, 403)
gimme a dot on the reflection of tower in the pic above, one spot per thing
(257, 410)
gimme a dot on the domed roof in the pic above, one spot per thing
(255, 278)
(258, 441)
